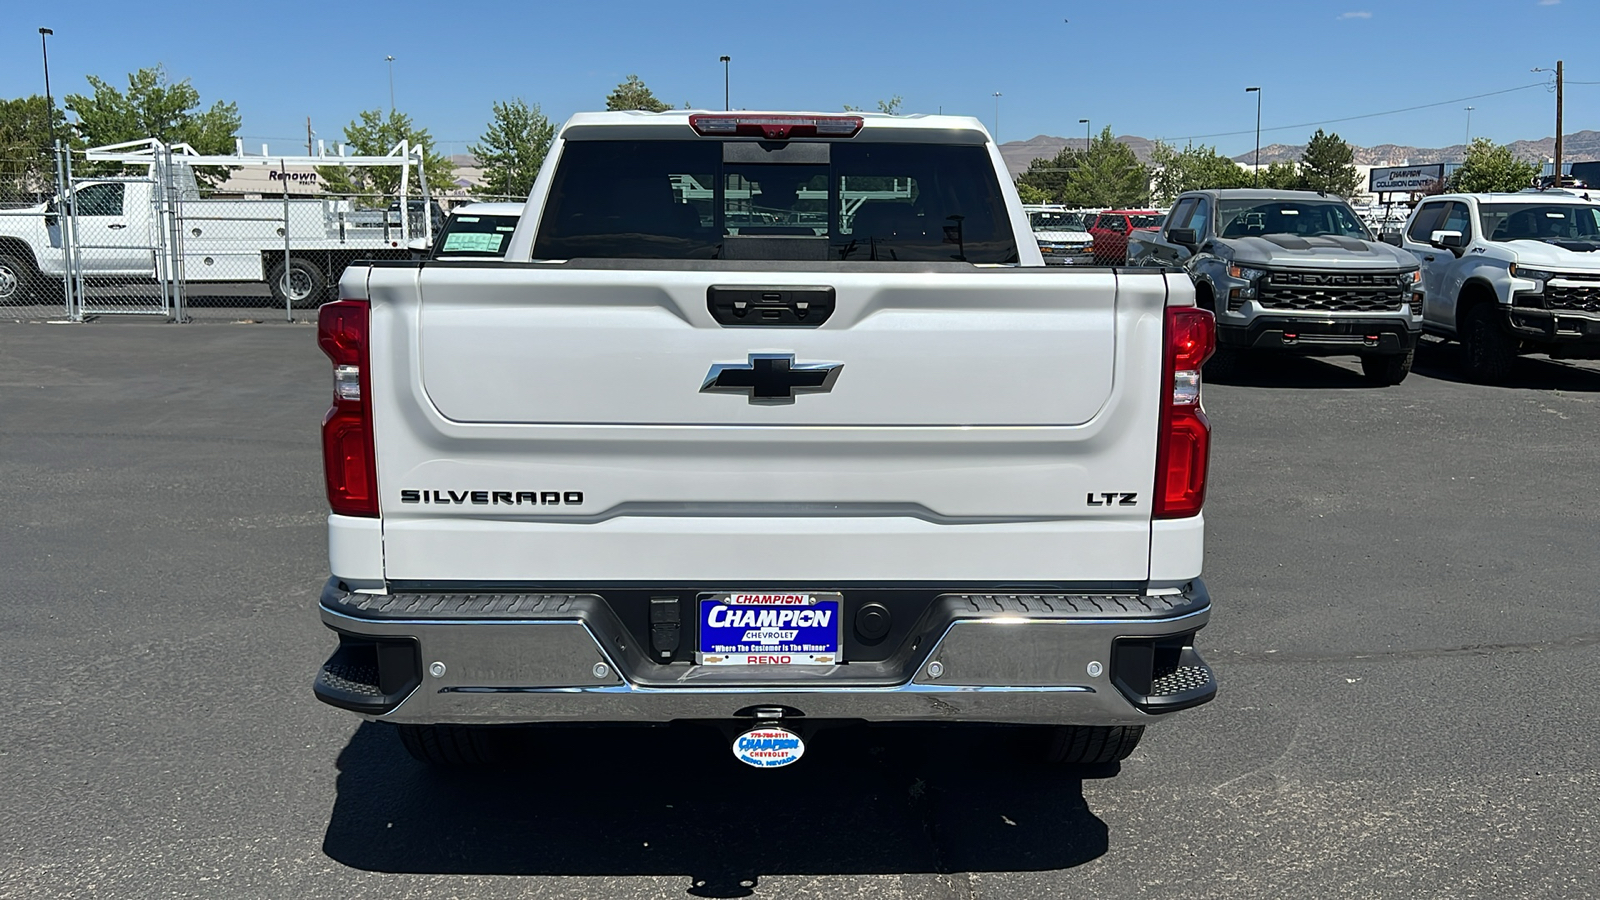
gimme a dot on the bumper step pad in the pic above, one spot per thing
(1185, 680)
(451, 606)
(356, 681)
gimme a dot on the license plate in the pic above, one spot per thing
(770, 629)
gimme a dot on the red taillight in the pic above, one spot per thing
(1183, 448)
(773, 128)
(348, 457)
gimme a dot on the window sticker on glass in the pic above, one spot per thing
(471, 242)
(466, 218)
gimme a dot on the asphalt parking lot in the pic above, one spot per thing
(1406, 635)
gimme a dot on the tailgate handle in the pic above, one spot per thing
(770, 306)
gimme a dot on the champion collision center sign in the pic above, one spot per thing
(1404, 179)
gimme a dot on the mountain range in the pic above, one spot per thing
(1579, 145)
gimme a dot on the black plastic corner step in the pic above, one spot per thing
(1190, 683)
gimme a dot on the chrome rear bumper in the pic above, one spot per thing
(1056, 658)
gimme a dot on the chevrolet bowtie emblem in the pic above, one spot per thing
(771, 378)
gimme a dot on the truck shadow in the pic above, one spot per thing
(673, 801)
(1442, 361)
(1281, 370)
(1435, 359)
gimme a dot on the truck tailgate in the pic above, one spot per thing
(588, 347)
(548, 424)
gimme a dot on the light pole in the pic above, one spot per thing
(390, 61)
(726, 104)
(1086, 139)
(50, 105)
(1469, 125)
(997, 117)
(1255, 179)
(1560, 85)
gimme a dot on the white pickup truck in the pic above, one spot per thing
(222, 240)
(1508, 274)
(766, 454)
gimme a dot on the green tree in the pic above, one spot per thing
(1282, 175)
(374, 134)
(1109, 176)
(27, 165)
(1031, 194)
(157, 107)
(1491, 167)
(890, 107)
(513, 147)
(1050, 174)
(1191, 169)
(1327, 165)
(632, 94)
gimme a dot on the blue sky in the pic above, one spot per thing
(1148, 67)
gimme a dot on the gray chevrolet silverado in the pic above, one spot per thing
(1292, 271)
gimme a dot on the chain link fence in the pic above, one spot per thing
(120, 224)
(147, 230)
(257, 257)
(33, 257)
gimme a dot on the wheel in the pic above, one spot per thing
(1092, 745)
(1389, 368)
(1488, 350)
(21, 282)
(305, 286)
(453, 745)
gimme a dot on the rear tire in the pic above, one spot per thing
(305, 285)
(454, 746)
(1087, 745)
(1389, 369)
(1488, 351)
(22, 283)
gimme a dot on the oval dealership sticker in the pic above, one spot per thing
(768, 748)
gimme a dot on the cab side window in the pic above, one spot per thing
(100, 200)
(1201, 218)
(1180, 213)
(1426, 222)
(1457, 219)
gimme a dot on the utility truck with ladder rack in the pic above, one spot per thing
(156, 226)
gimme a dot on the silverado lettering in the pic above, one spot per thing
(494, 498)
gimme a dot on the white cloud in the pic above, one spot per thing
(1367, 15)
(1549, 2)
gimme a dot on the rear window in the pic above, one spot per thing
(857, 201)
(475, 237)
(1148, 221)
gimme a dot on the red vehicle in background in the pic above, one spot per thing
(1111, 229)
